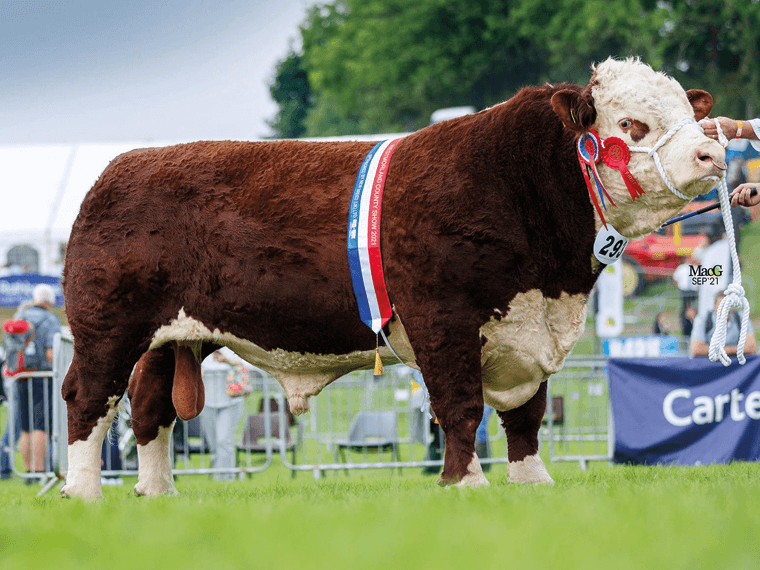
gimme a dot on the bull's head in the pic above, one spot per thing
(630, 101)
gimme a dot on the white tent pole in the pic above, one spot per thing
(62, 185)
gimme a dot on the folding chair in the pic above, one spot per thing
(371, 430)
(254, 436)
(188, 438)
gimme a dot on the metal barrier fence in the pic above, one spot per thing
(365, 422)
(580, 427)
(357, 422)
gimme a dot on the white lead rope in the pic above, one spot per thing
(734, 293)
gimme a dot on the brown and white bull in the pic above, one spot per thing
(487, 248)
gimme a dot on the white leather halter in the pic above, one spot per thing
(653, 153)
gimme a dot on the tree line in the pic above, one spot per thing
(375, 66)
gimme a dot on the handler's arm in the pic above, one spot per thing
(730, 128)
(701, 348)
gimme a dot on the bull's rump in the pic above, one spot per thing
(249, 238)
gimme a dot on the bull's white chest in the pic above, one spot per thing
(528, 344)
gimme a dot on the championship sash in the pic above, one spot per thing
(364, 258)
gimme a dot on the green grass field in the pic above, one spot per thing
(609, 517)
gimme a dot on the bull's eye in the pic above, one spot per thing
(625, 123)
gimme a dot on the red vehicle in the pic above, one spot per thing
(655, 257)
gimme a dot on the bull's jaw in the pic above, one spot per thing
(638, 218)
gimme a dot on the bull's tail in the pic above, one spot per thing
(188, 395)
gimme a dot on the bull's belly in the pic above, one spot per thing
(522, 349)
(527, 345)
(300, 374)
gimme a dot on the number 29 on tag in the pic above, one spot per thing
(609, 245)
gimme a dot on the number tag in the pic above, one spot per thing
(609, 245)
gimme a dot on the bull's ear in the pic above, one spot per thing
(701, 101)
(575, 110)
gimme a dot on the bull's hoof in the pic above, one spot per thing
(448, 481)
(154, 490)
(69, 491)
(83, 484)
(473, 478)
(529, 470)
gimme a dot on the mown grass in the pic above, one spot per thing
(607, 517)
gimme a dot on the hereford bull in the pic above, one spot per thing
(488, 236)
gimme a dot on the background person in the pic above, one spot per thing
(661, 325)
(33, 439)
(221, 412)
(704, 327)
(482, 443)
(717, 254)
(688, 292)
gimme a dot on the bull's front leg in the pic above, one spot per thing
(521, 426)
(153, 417)
(452, 373)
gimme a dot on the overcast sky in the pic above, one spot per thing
(80, 71)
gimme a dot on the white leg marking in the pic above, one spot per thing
(155, 465)
(474, 477)
(529, 470)
(83, 476)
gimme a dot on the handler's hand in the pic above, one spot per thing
(742, 195)
(728, 126)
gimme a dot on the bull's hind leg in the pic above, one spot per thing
(452, 374)
(522, 425)
(153, 417)
(92, 392)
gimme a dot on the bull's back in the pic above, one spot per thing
(241, 235)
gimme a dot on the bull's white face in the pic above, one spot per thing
(639, 105)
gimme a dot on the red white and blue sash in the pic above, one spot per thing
(364, 258)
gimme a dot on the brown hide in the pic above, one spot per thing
(250, 239)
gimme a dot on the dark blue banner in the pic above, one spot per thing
(17, 289)
(686, 411)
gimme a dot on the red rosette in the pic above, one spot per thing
(615, 154)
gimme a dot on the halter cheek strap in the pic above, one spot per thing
(653, 153)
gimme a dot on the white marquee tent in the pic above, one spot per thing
(42, 187)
